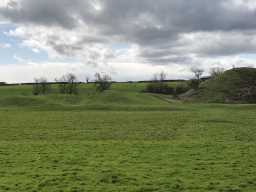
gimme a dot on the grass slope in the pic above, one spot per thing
(233, 86)
(120, 94)
(70, 144)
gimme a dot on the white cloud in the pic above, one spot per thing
(4, 3)
(5, 45)
(120, 71)
(249, 4)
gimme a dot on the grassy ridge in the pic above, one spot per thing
(123, 140)
(120, 94)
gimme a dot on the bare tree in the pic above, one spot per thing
(103, 82)
(159, 77)
(158, 84)
(214, 72)
(41, 86)
(68, 84)
(155, 78)
(197, 73)
(195, 82)
(162, 76)
(87, 79)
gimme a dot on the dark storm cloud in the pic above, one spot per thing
(150, 24)
(181, 14)
(170, 59)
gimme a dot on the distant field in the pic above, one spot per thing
(123, 140)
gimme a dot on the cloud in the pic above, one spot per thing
(5, 45)
(120, 70)
(202, 45)
(168, 33)
(141, 18)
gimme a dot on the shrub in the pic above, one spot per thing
(194, 84)
(103, 82)
(159, 87)
(41, 87)
(181, 88)
(68, 84)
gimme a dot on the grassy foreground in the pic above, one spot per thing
(123, 140)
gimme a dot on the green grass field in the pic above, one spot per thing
(123, 140)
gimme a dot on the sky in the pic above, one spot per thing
(130, 40)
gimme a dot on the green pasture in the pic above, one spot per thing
(123, 140)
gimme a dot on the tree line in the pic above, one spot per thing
(69, 84)
(159, 85)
